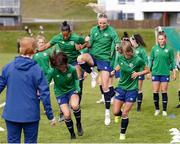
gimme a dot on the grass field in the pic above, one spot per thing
(143, 127)
(8, 39)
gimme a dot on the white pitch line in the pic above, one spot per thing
(1, 129)
(2, 105)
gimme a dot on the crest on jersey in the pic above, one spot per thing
(69, 75)
(105, 34)
(71, 42)
(57, 76)
(137, 52)
(166, 50)
(131, 65)
(44, 54)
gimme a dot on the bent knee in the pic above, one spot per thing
(75, 107)
(67, 115)
(124, 114)
(80, 59)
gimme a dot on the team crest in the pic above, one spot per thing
(71, 42)
(121, 63)
(44, 54)
(57, 76)
(69, 75)
(166, 50)
(62, 42)
(131, 65)
(137, 52)
(96, 34)
(105, 34)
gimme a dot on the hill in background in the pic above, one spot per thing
(57, 9)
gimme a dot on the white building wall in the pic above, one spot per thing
(138, 7)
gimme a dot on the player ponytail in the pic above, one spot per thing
(65, 26)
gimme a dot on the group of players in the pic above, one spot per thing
(68, 57)
(110, 55)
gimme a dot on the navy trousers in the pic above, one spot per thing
(14, 130)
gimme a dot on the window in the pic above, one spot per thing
(178, 18)
(130, 16)
(121, 16)
(122, 1)
(130, 0)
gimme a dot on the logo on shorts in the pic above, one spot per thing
(167, 78)
(131, 99)
(59, 101)
(105, 67)
(153, 77)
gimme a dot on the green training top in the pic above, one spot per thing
(161, 60)
(127, 67)
(141, 52)
(42, 59)
(68, 46)
(103, 43)
(64, 81)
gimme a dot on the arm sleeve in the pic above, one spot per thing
(50, 75)
(142, 65)
(76, 80)
(81, 40)
(144, 56)
(115, 42)
(172, 60)
(151, 59)
(3, 81)
(45, 96)
(91, 37)
(54, 40)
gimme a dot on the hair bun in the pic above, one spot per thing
(126, 34)
(64, 23)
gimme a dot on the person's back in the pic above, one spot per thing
(24, 78)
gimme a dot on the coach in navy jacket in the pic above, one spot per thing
(24, 79)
